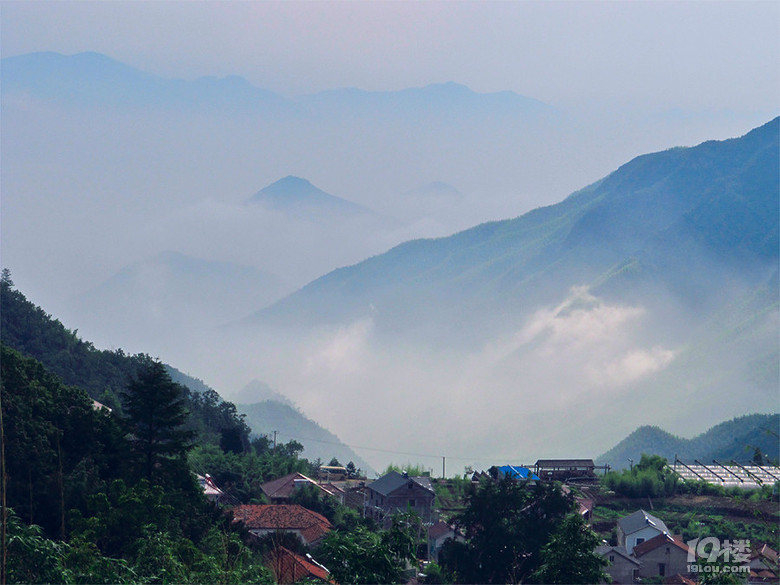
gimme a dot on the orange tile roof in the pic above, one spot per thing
(655, 542)
(764, 551)
(283, 487)
(288, 517)
(439, 529)
(289, 567)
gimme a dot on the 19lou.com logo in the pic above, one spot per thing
(710, 555)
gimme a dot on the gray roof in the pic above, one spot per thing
(638, 520)
(565, 463)
(606, 550)
(387, 484)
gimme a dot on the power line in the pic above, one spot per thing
(393, 452)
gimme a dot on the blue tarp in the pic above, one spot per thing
(517, 472)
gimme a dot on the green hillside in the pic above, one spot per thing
(735, 439)
(672, 223)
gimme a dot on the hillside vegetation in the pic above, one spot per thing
(736, 439)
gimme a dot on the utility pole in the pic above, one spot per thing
(443, 467)
(275, 441)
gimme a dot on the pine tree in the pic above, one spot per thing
(155, 409)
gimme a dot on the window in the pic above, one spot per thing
(640, 540)
(612, 558)
(662, 569)
(411, 503)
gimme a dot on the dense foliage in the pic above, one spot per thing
(362, 555)
(241, 474)
(512, 532)
(85, 504)
(651, 477)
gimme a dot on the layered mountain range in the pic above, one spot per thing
(648, 297)
(680, 223)
(651, 295)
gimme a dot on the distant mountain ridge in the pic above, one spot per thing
(736, 439)
(442, 100)
(91, 78)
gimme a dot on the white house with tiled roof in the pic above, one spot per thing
(639, 527)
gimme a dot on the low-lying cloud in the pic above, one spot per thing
(475, 405)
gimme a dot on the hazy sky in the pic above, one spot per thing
(714, 55)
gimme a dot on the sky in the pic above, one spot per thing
(87, 194)
(688, 55)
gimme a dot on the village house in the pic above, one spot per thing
(280, 490)
(763, 566)
(565, 469)
(310, 527)
(438, 534)
(210, 489)
(637, 528)
(622, 568)
(396, 492)
(661, 556)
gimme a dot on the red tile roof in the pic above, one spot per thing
(289, 567)
(764, 551)
(283, 487)
(292, 518)
(655, 542)
(439, 529)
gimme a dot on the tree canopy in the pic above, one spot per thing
(511, 530)
(155, 414)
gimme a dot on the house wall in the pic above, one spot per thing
(674, 559)
(436, 544)
(621, 571)
(630, 540)
(409, 496)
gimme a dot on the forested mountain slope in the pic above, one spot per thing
(672, 222)
(735, 439)
(104, 374)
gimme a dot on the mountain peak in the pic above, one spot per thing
(288, 190)
(292, 182)
(295, 193)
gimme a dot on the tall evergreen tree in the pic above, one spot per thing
(506, 524)
(155, 409)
